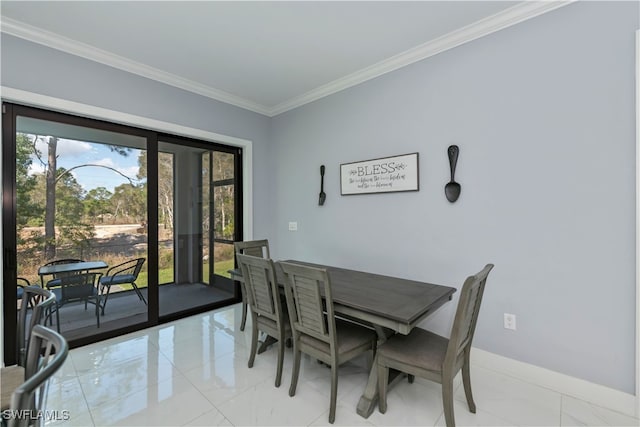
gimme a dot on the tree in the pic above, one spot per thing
(130, 202)
(165, 185)
(52, 177)
(96, 203)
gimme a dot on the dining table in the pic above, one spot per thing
(72, 267)
(388, 304)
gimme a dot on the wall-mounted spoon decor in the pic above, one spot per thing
(452, 189)
(323, 196)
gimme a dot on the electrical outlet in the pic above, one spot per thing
(510, 321)
(293, 226)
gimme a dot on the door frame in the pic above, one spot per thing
(59, 105)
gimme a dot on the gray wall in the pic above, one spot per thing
(35, 68)
(543, 113)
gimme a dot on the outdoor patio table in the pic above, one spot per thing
(390, 304)
(69, 268)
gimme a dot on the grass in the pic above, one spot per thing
(221, 268)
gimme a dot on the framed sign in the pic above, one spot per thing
(386, 175)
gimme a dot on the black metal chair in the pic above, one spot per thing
(122, 274)
(79, 287)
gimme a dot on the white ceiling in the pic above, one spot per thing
(264, 56)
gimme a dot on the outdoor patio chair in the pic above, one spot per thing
(433, 357)
(55, 281)
(316, 331)
(257, 248)
(47, 352)
(79, 287)
(122, 274)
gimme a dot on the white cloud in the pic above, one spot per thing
(66, 147)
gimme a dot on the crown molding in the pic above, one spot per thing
(504, 19)
(508, 17)
(77, 48)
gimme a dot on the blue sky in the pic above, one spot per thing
(73, 153)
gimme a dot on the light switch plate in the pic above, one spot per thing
(293, 226)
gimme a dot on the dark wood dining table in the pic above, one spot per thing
(389, 304)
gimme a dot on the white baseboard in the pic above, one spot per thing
(593, 393)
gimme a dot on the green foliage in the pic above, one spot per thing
(27, 208)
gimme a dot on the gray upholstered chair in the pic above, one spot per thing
(257, 248)
(39, 303)
(436, 358)
(319, 334)
(267, 313)
(47, 352)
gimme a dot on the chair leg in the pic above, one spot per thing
(58, 318)
(334, 391)
(411, 378)
(243, 293)
(106, 297)
(383, 378)
(447, 400)
(254, 340)
(281, 342)
(98, 312)
(296, 369)
(466, 381)
(135, 288)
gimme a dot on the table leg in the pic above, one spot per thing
(369, 398)
(266, 343)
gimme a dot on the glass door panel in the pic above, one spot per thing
(81, 194)
(203, 212)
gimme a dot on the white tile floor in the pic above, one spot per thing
(194, 372)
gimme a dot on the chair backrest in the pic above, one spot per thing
(305, 302)
(464, 323)
(76, 287)
(257, 248)
(46, 354)
(127, 268)
(262, 288)
(40, 301)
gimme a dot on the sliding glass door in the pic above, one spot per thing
(202, 214)
(78, 190)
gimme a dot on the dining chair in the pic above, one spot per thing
(55, 281)
(79, 287)
(257, 248)
(46, 353)
(264, 301)
(434, 357)
(36, 305)
(21, 283)
(125, 273)
(316, 330)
